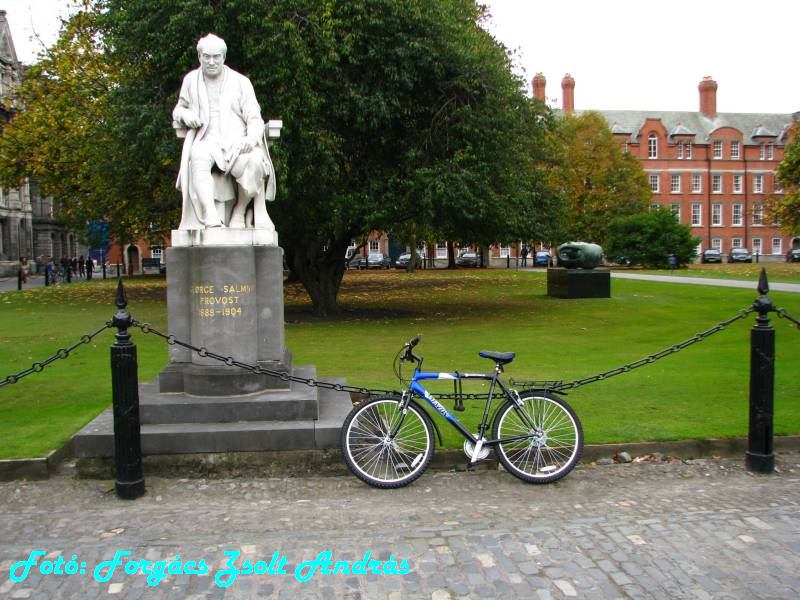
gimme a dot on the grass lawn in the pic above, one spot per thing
(698, 393)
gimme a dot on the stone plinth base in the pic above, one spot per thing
(223, 236)
(228, 300)
(578, 283)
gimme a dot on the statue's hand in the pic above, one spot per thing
(191, 119)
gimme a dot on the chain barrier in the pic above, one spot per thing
(62, 353)
(555, 386)
(785, 315)
(648, 360)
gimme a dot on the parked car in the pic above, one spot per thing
(711, 255)
(403, 260)
(374, 260)
(793, 255)
(740, 255)
(467, 259)
(542, 258)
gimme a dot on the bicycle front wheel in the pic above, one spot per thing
(376, 458)
(544, 438)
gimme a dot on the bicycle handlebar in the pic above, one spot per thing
(409, 346)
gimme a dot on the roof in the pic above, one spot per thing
(753, 126)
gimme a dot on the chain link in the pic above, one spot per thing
(649, 360)
(62, 353)
(785, 315)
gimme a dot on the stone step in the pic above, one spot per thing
(97, 438)
(298, 403)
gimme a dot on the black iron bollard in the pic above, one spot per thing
(125, 390)
(104, 270)
(760, 456)
(69, 274)
(19, 280)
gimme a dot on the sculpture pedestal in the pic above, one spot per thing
(229, 300)
(578, 283)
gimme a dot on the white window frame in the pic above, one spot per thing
(762, 152)
(777, 246)
(505, 251)
(758, 214)
(757, 245)
(737, 215)
(675, 183)
(758, 183)
(655, 183)
(770, 151)
(697, 183)
(717, 149)
(675, 208)
(716, 184)
(441, 249)
(697, 214)
(374, 246)
(652, 146)
(735, 150)
(716, 214)
(736, 243)
(738, 187)
(716, 243)
(687, 151)
(679, 150)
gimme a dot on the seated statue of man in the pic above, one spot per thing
(219, 116)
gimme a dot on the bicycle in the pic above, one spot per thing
(388, 441)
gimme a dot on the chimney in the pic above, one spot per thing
(568, 94)
(539, 83)
(708, 97)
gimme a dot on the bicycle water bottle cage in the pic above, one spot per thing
(501, 358)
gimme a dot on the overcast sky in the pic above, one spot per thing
(623, 54)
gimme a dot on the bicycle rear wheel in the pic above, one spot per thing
(545, 437)
(378, 460)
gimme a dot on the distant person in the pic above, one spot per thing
(23, 269)
(81, 266)
(524, 254)
(673, 262)
(89, 266)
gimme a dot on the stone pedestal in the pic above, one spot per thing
(229, 300)
(578, 283)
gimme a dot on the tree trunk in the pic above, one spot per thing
(321, 275)
(451, 256)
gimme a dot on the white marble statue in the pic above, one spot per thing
(226, 174)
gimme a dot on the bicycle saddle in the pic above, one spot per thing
(502, 358)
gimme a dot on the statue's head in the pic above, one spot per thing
(211, 51)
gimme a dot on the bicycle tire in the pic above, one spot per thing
(375, 459)
(554, 446)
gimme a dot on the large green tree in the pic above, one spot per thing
(785, 209)
(649, 238)
(598, 181)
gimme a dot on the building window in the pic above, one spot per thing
(716, 214)
(735, 149)
(736, 215)
(697, 214)
(687, 151)
(676, 183)
(697, 183)
(758, 184)
(441, 249)
(757, 246)
(655, 205)
(680, 151)
(374, 246)
(156, 252)
(758, 214)
(770, 151)
(675, 208)
(716, 184)
(716, 243)
(736, 243)
(652, 146)
(504, 251)
(654, 183)
(737, 184)
(717, 149)
(777, 245)
(762, 152)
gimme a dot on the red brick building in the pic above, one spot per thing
(713, 170)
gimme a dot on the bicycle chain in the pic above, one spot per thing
(62, 353)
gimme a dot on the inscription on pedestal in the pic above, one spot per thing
(227, 301)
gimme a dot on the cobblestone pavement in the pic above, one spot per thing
(696, 529)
